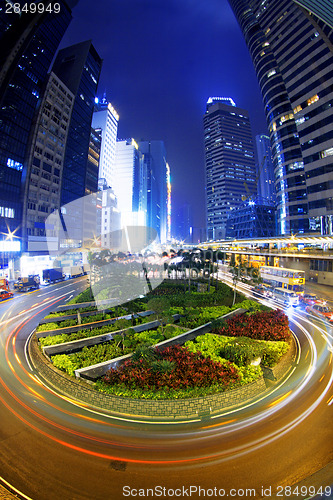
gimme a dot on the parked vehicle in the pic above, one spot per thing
(322, 311)
(52, 275)
(4, 285)
(286, 297)
(5, 294)
(309, 299)
(76, 271)
(27, 283)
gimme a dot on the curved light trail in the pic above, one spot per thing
(80, 432)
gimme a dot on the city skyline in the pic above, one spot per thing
(160, 65)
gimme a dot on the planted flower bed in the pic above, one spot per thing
(239, 350)
(212, 363)
(120, 324)
(172, 373)
(119, 346)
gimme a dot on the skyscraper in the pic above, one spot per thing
(158, 187)
(28, 44)
(230, 166)
(265, 173)
(106, 118)
(78, 67)
(293, 59)
(126, 183)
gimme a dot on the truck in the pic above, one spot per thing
(53, 274)
(4, 285)
(76, 271)
(28, 283)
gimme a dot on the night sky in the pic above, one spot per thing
(162, 59)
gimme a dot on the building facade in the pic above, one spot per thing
(45, 164)
(230, 164)
(265, 171)
(255, 218)
(320, 9)
(293, 59)
(78, 67)
(126, 183)
(106, 118)
(158, 187)
(28, 43)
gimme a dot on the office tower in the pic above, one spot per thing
(45, 164)
(293, 61)
(255, 218)
(229, 158)
(159, 188)
(27, 46)
(265, 171)
(126, 183)
(106, 118)
(78, 67)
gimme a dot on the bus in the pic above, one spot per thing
(281, 277)
(286, 297)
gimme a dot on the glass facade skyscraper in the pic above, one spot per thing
(78, 67)
(293, 59)
(28, 43)
(265, 174)
(230, 165)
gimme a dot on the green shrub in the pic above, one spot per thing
(46, 327)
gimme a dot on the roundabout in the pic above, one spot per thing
(55, 445)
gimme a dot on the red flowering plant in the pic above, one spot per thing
(175, 368)
(266, 325)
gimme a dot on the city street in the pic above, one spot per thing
(54, 448)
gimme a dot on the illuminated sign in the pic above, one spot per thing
(14, 165)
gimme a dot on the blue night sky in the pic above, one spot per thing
(161, 61)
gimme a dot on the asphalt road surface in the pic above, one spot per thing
(52, 448)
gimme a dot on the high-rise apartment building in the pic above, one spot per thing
(265, 172)
(293, 59)
(28, 43)
(106, 118)
(45, 164)
(230, 165)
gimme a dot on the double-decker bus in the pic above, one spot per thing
(281, 277)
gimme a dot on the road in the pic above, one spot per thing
(52, 448)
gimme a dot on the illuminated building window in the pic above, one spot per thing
(287, 117)
(271, 73)
(274, 126)
(312, 99)
(267, 31)
(298, 109)
(326, 152)
(262, 53)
